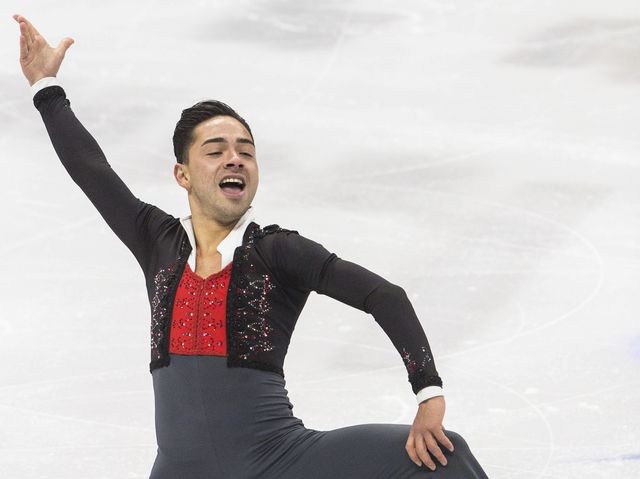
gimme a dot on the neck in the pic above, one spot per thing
(210, 232)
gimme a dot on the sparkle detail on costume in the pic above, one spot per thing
(198, 324)
(411, 364)
(258, 329)
(159, 310)
(249, 333)
(164, 281)
(417, 371)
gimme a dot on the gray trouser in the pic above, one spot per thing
(237, 423)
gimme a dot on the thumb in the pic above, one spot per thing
(65, 43)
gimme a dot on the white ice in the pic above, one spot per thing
(482, 155)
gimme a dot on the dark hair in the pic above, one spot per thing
(191, 117)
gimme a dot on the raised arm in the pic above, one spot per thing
(306, 264)
(131, 219)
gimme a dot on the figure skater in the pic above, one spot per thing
(225, 295)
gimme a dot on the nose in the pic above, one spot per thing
(235, 160)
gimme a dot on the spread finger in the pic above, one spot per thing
(423, 453)
(24, 30)
(434, 449)
(28, 28)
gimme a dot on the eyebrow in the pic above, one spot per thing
(222, 140)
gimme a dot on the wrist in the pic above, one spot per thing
(423, 403)
(35, 80)
(429, 392)
(43, 83)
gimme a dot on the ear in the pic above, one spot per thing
(181, 174)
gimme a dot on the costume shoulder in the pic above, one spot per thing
(271, 229)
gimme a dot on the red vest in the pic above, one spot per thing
(199, 314)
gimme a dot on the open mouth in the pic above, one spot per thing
(232, 187)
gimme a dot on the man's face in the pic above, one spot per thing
(222, 147)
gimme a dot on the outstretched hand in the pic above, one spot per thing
(37, 58)
(427, 430)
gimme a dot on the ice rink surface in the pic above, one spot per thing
(482, 155)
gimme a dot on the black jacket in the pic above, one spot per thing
(272, 275)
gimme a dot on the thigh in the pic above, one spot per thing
(376, 451)
(191, 462)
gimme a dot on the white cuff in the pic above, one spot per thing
(428, 393)
(43, 83)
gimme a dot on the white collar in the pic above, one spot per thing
(228, 245)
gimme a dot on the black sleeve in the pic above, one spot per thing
(135, 222)
(305, 264)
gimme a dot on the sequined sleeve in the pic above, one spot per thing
(305, 264)
(130, 218)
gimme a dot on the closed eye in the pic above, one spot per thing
(219, 153)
